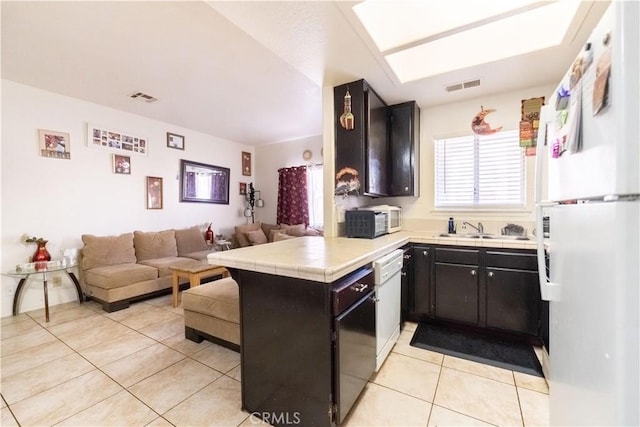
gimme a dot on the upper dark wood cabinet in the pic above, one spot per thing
(362, 140)
(404, 146)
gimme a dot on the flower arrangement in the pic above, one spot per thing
(32, 239)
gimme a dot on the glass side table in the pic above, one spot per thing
(24, 275)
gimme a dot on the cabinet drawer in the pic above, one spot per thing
(457, 256)
(514, 260)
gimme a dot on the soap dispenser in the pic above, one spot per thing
(452, 226)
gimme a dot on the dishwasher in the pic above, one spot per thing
(388, 284)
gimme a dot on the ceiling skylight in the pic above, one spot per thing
(426, 38)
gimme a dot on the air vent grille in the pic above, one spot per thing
(143, 97)
(463, 85)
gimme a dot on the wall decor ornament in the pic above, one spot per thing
(347, 120)
(243, 188)
(154, 192)
(54, 144)
(175, 141)
(246, 163)
(121, 164)
(480, 126)
(117, 141)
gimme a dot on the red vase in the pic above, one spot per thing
(41, 256)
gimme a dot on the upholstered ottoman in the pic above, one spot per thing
(212, 312)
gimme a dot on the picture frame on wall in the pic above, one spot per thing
(122, 142)
(243, 188)
(54, 144)
(154, 192)
(121, 164)
(246, 163)
(175, 141)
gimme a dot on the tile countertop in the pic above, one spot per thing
(326, 259)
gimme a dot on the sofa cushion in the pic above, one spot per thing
(163, 264)
(219, 298)
(280, 236)
(155, 244)
(240, 231)
(256, 237)
(199, 255)
(119, 275)
(297, 230)
(273, 233)
(268, 228)
(99, 251)
(190, 240)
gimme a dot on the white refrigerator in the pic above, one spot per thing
(591, 165)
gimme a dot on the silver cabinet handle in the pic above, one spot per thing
(403, 273)
(359, 287)
(407, 256)
(425, 252)
(491, 274)
(473, 272)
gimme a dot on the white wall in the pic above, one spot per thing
(455, 120)
(280, 155)
(62, 199)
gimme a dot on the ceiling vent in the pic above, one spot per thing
(143, 97)
(464, 85)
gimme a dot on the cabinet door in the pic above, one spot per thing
(513, 300)
(404, 143)
(422, 259)
(407, 284)
(349, 141)
(456, 296)
(377, 145)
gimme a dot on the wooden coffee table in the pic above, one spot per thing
(195, 273)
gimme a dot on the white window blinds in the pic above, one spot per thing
(479, 171)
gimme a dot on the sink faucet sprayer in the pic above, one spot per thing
(479, 228)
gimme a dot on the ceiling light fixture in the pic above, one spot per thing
(464, 34)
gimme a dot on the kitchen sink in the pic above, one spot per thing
(483, 236)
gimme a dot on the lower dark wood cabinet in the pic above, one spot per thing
(457, 292)
(422, 273)
(491, 289)
(513, 300)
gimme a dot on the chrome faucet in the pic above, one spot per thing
(479, 228)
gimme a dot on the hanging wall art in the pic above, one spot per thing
(54, 144)
(480, 126)
(115, 140)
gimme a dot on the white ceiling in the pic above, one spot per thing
(246, 71)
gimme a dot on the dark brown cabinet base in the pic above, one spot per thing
(493, 290)
(307, 350)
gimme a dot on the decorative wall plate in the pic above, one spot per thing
(307, 154)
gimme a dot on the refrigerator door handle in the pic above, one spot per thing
(545, 113)
(549, 291)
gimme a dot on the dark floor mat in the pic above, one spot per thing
(478, 348)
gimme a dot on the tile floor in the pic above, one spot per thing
(134, 367)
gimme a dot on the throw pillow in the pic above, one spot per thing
(190, 240)
(267, 228)
(256, 237)
(240, 231)
(297, 230)
(275, 231)
(280, 236)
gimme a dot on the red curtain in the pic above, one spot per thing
(293, 207)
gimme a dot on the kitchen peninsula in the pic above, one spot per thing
(294, 337)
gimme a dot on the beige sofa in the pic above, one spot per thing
(118, 270)
(259, 233)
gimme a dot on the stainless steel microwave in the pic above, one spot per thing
(394, 216)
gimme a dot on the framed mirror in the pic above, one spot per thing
(200, 182)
